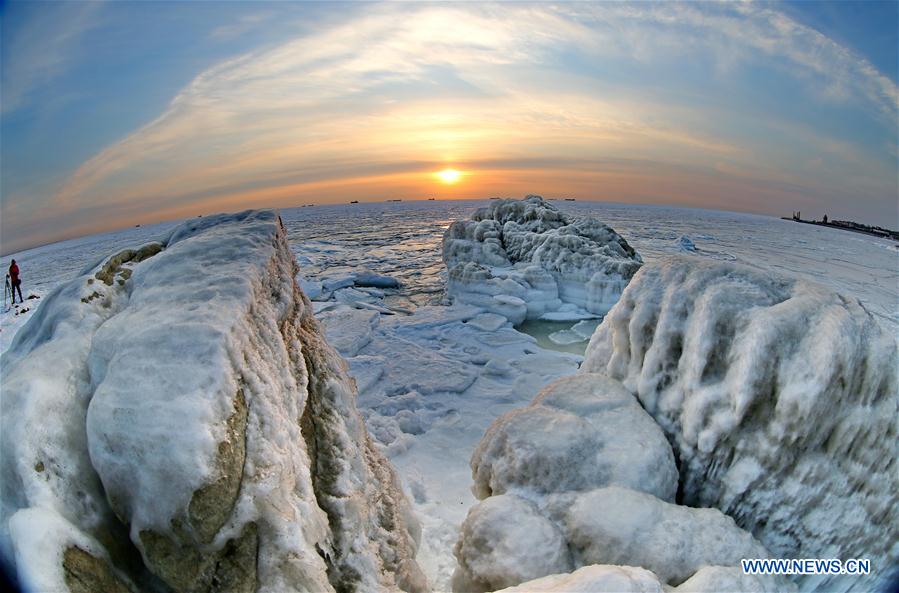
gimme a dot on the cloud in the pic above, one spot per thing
(42, 47)
(394, 90)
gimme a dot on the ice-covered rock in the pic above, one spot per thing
(594, 579)
(715, 579)
(618, 526)
(780, 399)
(593, 465)
(579, 433)
(174, 418)
(602, 578)
(524, 258)
(505, 541)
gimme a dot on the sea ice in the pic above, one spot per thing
(566, 336)
(376, 280)
(779, 397)
(348, 330)
(685, 243)
(488, 322)
(524, 258)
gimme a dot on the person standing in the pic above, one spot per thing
(15, 282)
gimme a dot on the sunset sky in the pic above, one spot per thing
(121, 113)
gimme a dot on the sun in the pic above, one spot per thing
(449, 176)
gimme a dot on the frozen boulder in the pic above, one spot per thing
(780, 399)
(579, 433)
(715, 579)
(530, 251)
(505, 541)
(593, 464)
(602, 578)
(174, 419)
(619, 526)
(594, 579)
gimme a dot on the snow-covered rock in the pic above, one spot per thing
(505, 541)
(584, 464)
(594, 579)
(602, 578)
(174, 418)
(524, 258)
(618, 526)
(579, 433)
(780, 399)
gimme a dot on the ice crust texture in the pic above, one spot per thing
(174, 415)
(780, 399)
(524, 259)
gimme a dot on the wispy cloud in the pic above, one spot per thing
(393, 90)
(42, 47)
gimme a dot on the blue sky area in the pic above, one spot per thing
(118, 113)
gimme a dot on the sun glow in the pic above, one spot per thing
(449, 176)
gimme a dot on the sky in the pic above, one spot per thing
(121, 113)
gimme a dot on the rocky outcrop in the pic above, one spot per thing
(780, 399)
(524, 259)
(581, 477)
(174, 419)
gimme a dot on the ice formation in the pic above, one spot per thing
(524, 258)
(579, 433)
(584, 476)
(780, 399)
(174, 415)
(615, 525)
(602, 578)
(504, 541)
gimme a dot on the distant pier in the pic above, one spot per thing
(847, 225)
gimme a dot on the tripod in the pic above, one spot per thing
(7, 293)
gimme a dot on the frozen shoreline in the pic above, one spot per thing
(430, 383)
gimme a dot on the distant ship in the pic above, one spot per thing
(570, 199)
(354, 202)
(430, 199)
(394, 200)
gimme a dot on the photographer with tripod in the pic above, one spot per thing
(14, 282)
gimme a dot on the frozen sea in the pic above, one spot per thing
(431, 377)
